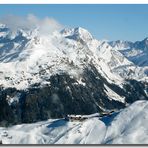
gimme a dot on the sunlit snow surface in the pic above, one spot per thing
(129, 126)
(30, 58)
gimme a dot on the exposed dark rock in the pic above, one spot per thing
(135, 91)
(66, 96)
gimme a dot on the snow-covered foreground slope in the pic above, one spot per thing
(128, 126)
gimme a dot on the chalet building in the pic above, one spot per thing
(85, 117)
(75, 118)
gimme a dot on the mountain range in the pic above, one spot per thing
(67, 72)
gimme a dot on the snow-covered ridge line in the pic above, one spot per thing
(137, 52)
(27, 57)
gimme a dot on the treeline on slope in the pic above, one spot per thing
(64, 96)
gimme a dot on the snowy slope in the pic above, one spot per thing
(71, 64)
(55, 132)
(128, 126)
(136, 52)
(26, 57)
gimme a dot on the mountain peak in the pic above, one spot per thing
(2, 25)
(146, 39)
(83, 33)
(77, 33)
(80, 30)
(142, 45)
(121, 44)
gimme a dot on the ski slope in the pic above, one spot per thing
(128, 126)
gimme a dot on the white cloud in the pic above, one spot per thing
(45, 25)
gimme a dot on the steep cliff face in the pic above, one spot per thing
(68, 72)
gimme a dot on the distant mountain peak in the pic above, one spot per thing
(134, 51)
(121, 44)
(146, 39)
(2, 25)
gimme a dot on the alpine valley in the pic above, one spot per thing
(43, 78)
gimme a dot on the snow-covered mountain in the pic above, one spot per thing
(24, 55)
(136, 52)
(48, 76)
(127, 126)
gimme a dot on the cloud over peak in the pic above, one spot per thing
(45, 25)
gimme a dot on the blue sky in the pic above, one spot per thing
(112, 22)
